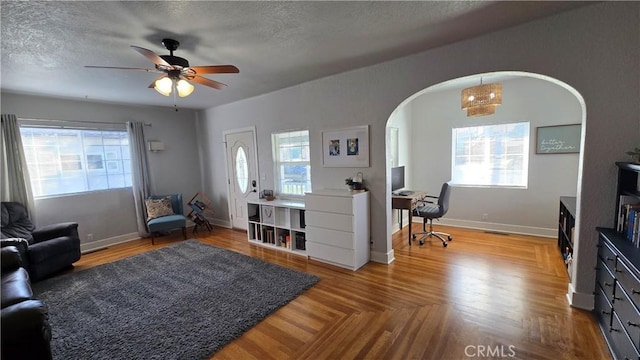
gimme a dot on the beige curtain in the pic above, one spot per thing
(140, 173)
(16, 184)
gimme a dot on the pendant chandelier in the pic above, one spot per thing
(482, 99)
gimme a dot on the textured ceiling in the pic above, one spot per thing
(45, 45)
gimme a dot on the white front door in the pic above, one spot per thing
(242, 167)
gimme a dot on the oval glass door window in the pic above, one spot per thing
(242, 170)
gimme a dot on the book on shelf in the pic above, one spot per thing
(269, 236)
(632, 225)
(300, 241)
(628, 221)
(625, 204)
(571, 236)
(636, 229)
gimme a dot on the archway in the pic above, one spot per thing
(543, 220)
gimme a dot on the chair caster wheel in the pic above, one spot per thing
(449, 237)
(444, 244)
(421, 242)
(413, 236)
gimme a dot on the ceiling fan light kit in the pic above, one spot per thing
(176, 71)
(164, 86)
(184, 88)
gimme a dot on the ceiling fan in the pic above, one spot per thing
(176, 71)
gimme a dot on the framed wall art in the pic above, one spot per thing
(559, 139)
(346, 147)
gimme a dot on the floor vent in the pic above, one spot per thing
(496, 232)
(94, 251)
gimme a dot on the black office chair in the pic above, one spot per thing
(429, 211)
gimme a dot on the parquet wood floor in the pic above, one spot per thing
(485, 296)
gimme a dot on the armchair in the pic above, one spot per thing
(162, 217)
(430, 210)
(45, 250)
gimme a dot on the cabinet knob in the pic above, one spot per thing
(609, 259)
(605, 312)
(616, 298)
(613, 329)
(618, 271)
(606, 284)
(634, 291)
(632, 324)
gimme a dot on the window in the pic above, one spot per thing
(491, 155)
(291, 161)
(242, 170)
(65, 161)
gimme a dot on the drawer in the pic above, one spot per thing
(330, 237)
(605, 279)
(628, 314)
(602, 309)
(332, 204)
(607, 255)
(329, 220)
(629, 281)
(331, 254)
(621, 342)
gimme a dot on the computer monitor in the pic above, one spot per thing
(397, 178)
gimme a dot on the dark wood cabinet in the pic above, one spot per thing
(617, 294)
(617, 288)
(566, 225)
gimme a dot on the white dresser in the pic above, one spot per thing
(338, 227)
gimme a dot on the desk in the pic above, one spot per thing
(407, 203)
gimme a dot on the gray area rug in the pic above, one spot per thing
(184, 301)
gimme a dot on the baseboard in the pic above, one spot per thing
(580, 300)
(501, 228)
(383, 258)
(101, 244)
(221, 223)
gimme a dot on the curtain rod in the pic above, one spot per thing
(78, 121)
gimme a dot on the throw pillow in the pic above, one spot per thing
(158, 207)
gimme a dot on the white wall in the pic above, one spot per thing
(594, 49)
(109, 215)
(533, 210)
(402, 119)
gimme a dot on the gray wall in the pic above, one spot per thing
(109, 215)
(533, 210)
(593, 49)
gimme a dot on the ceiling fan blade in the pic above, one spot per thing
(208, 82)
(120, 68)
(155, 58)
(153, 84)
(215, 69)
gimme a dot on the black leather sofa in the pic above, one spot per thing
(44, 251)
(26, 333)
